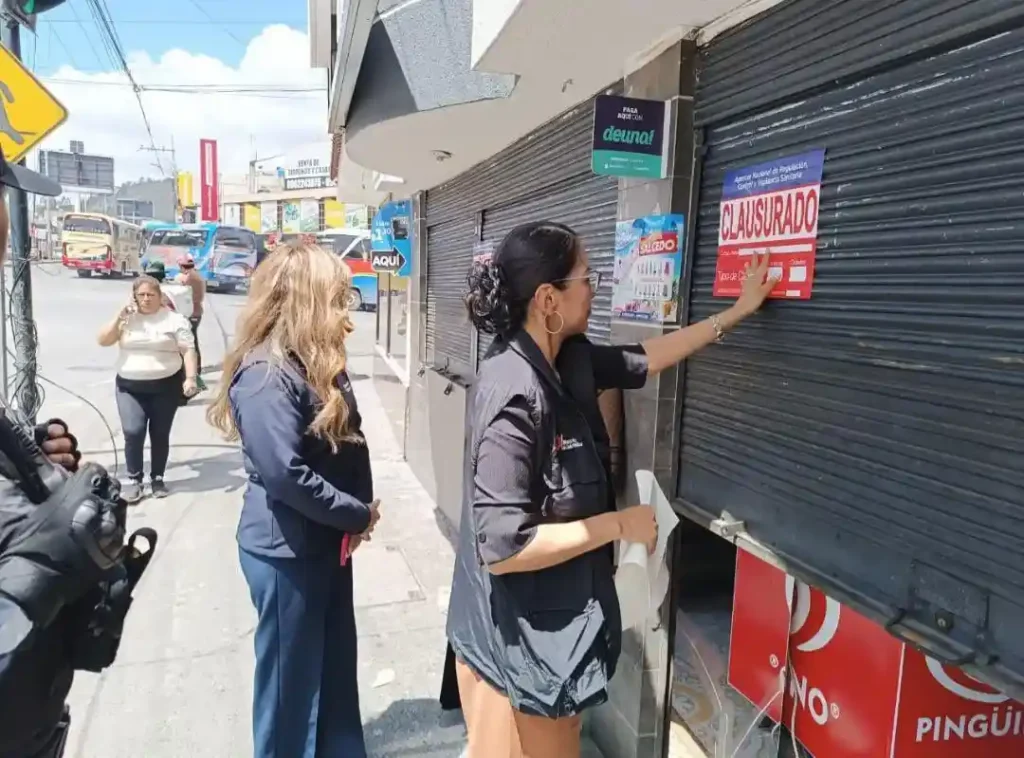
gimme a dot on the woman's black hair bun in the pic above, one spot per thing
(488, 300)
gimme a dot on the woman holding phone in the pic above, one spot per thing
(156, 367)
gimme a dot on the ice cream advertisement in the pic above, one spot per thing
(648, 266)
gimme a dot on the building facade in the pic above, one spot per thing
(858, 433)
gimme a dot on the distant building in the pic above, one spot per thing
(137, 201)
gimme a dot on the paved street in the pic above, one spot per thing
(182, 684)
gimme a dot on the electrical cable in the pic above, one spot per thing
(103, 418)
(211, 19)
(213, 89)
(65, 48)
(108, 32)
(78, 20)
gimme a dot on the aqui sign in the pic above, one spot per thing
(28, 111)
(630, 137)
(391, 239)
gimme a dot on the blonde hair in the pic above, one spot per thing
(298, 310)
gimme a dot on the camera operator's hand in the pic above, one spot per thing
(59, 444)
(66, 546)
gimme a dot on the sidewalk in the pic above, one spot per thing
(182, 683)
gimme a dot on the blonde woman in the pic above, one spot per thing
(286, 394)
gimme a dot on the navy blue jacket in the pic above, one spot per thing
(301, 497)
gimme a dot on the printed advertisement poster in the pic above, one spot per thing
(290, 215)
(232, 215)
(252, 217)
(268, 217)
(648, 266)
(629, 137)
(310, 215)
(334, 214)
(771, 207)
(391, 238)
(356, 217)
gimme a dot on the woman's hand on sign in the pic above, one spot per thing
(756, 285)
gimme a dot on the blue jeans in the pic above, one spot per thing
(305, 693)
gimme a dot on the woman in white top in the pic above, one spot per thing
(155, 368)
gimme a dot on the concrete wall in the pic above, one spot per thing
(633, 723)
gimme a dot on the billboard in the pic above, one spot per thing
(209, 184)
(309, 173)
(77, 171)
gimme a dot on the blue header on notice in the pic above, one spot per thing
(775, 176)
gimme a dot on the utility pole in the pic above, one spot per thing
(25, 389)
(174, 168)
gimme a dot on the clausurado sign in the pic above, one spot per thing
(771, 208)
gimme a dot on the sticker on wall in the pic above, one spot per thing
(630, 137)
(647, 270)
(771, 208)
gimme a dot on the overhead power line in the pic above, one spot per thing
(193, 88)
(111, 40)
(223, 28)
(167, 22)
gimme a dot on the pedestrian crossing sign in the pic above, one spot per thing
(28, 111)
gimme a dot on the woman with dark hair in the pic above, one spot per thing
(534, 619)
(156, 369)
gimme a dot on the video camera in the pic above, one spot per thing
(54, 580)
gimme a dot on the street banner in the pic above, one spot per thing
(209, 183)
(771, 207)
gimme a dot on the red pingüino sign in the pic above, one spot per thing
(771, 208)
(209, 184)
(846, 688)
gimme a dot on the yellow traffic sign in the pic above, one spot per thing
(28, 111)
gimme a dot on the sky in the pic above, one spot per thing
(207, 43)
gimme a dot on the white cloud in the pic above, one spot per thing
(107, 118)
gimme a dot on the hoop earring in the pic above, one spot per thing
(561, 323)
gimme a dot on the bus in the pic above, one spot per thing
(152, 226)
(94, 243)
(353, 246)
(225, 256)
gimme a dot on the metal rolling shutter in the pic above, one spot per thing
(547, 175)
(448, 332)
(872, 435)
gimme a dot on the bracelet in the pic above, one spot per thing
(716, 323)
